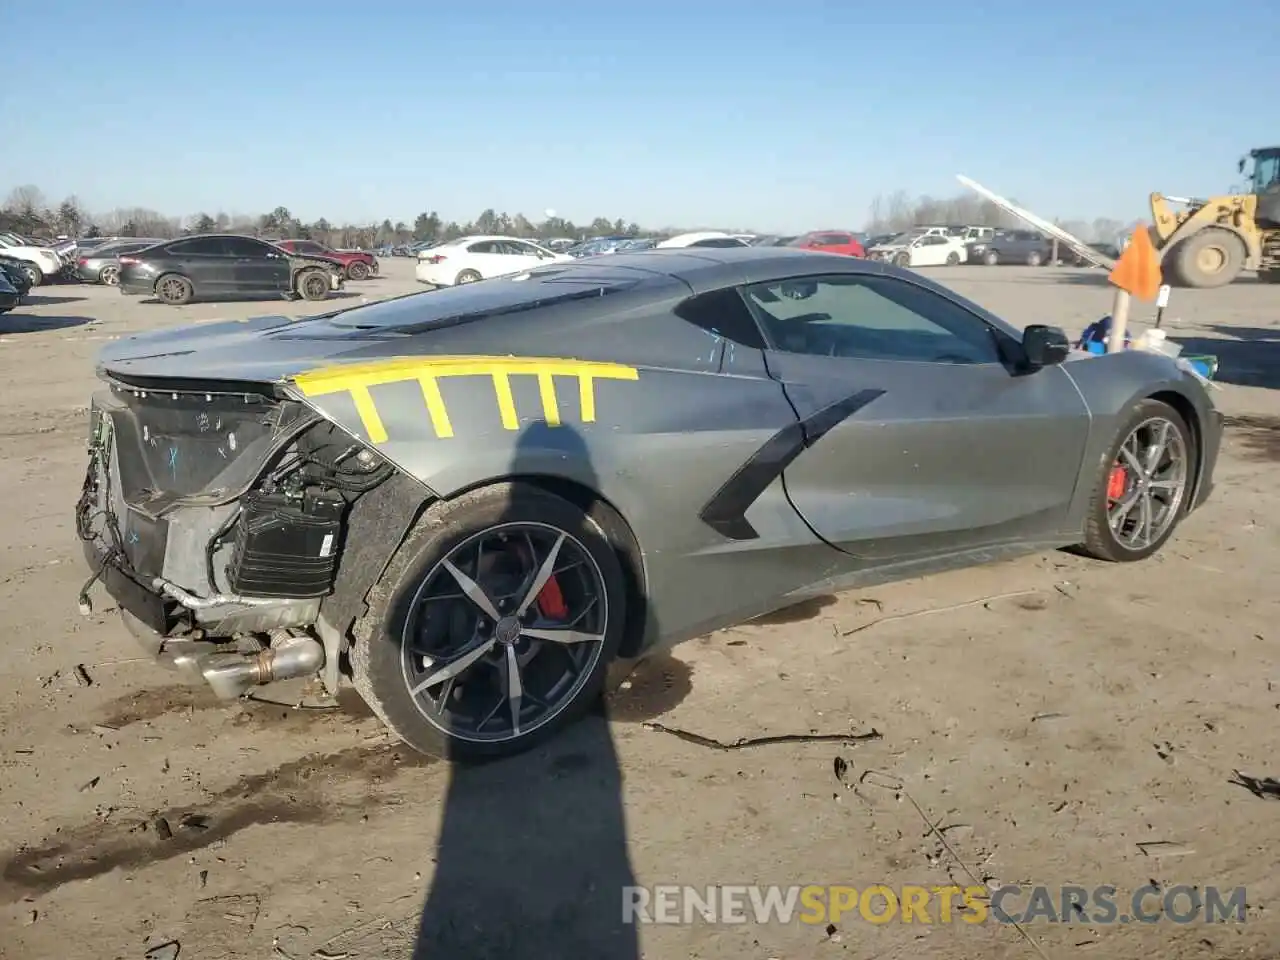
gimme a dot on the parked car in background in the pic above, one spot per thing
(226, 266)
(927, 249)
(1068, 257)
(356, 264)
(702, 238)
(479, 258)
(102, 265)
(636, 243)
(14, 270)
(9, 295)
(831, 241)
(772, 240)
(41, 263)
(92, 243)
(596, 246)
(559, 244)
(1012, 246)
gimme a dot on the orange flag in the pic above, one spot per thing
(1137, 272)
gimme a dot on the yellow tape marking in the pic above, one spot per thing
(435, 407)
(357, 379)
(368, 411)
(506, 401)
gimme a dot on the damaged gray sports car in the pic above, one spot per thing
(467, 502)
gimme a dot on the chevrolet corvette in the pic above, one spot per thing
(467, 502)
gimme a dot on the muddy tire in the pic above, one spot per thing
(1140, 496)
(175, 290)
(435, 664)
(109, 275)
(357, 270)
(1210, 258)
(467, 276)
(313, 285)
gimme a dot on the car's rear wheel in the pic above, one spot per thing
(174, 289)
(991, 259)
(357, 270)
(313, 284)
(1034, 259)
(34, 273)
(109, 275)
(468, 276)
(902, 260)
(494, 625)
(1143, 484)
(953, 259)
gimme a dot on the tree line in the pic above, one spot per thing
(27, 211)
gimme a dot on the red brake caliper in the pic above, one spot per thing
(1115, 483)
(551, 601)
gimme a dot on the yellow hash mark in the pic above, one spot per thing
(368, 411)
(547, 394)
(435, 407)
(506, 402)
(357, 379)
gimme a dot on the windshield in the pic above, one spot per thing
(471, 301)
(1266, 171)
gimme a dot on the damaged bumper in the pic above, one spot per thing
(172, 530)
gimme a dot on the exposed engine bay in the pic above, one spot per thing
(220, 519)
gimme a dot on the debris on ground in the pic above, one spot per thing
(1165, 848)
(163, 830)
(164, 951)
(743, 743)
(82, 676)
(841, 766)
(983, 601)
(1264, 788)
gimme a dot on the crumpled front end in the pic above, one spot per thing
(217, 516)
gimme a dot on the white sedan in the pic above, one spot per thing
(479, 258)
(922, 250)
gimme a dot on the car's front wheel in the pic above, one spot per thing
(357, 270)
(34, 273)
(109, 275)
(494, 625)
(991, 259)
(1142, 487)
(314, 284)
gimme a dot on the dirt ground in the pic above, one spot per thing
(1050, 732)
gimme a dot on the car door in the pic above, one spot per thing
(258, 268)
(931, 252)
(524, 256)
(921, 436)
(489, 258)
(205, 262)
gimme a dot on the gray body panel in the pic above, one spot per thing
(945, 465)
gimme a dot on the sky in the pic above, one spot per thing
(772, 116)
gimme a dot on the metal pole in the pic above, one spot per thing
(1119, 321)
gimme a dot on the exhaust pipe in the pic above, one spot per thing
(232, 675)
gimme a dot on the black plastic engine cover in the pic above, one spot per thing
(285, 547)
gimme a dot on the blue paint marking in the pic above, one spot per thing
(133, 536)
(173, 461)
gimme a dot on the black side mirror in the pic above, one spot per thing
(1044, 346)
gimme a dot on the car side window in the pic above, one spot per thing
(520, 249)
(484, 246)
(245, 247)
(869, 318)
(199, 247)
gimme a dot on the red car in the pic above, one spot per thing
(356, 264)
(831, 241)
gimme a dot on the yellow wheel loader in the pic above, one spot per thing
(1207, 243)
